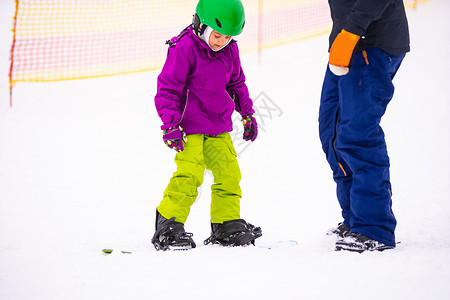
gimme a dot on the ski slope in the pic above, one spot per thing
(83, 166)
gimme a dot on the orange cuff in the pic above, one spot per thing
(342, 48)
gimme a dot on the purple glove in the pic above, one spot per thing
(174, 137)
(250, 128)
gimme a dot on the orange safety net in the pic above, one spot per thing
(71, 39)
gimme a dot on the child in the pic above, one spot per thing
(200, 86)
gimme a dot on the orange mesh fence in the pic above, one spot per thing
(70, 39)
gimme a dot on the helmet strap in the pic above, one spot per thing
(198, 26)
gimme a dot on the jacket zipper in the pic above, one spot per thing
(236, 103)
(185, 105)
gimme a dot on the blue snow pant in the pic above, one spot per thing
(351, 108)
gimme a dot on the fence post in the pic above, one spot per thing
(11, 82)
(260, 30)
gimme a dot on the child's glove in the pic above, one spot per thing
(250, 128)
(174, 137)
(341, 52)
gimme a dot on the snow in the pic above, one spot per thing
(83, 166)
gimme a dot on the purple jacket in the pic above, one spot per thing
(199, 89)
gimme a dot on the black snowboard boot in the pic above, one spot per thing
(233, 233)
(340, 231)
(170, 235)
(357, 242)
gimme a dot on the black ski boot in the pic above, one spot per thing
(357, 242)
(340, 231)
(170, 235)
(233, 233)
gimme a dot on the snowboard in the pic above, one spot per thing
(269, 245)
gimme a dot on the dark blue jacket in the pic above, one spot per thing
(380, 23)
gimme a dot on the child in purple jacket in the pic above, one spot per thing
(200, 86)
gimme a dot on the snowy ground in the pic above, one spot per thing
(82, 168)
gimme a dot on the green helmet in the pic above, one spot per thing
(224, 16)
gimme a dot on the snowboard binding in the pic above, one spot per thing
(170, 235)
(233, 233)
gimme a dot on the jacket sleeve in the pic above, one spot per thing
(170, 86)
(365, 12)
(236, 87)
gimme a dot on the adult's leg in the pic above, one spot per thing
(329, 118)
(364, 95)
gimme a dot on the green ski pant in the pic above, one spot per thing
(217, 154)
